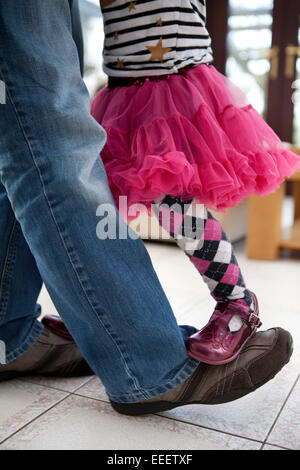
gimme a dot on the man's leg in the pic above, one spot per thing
(20, 280)
(77, 32)
(105, 290)
(20, 284)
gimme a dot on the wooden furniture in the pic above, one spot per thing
(265, 237)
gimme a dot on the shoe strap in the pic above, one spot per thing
(252, 318)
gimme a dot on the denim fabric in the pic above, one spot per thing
(77, 32)
(51, 184)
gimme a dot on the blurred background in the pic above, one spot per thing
(257, 45)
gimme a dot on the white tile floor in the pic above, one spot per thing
(43, 413)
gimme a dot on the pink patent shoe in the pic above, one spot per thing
(215, 344)
(56, 326)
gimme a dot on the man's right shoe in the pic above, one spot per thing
(263, 357)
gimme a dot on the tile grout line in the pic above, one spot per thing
(83, 385)
(56, 388)
(212, 429)
(89, 398)
(275, 445)
(225, 432)
(35, 418)
(279, 413)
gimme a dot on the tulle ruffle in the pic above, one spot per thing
(193, 135)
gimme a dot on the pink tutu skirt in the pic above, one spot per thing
(189, 135)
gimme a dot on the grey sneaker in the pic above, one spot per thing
(263, 357)
(49, 355)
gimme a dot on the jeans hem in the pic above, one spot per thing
(31, 338)
(187, 370)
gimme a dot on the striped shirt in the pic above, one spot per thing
(154, 37)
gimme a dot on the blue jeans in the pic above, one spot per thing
(51, 184)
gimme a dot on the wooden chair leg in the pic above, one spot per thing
(264, 225)
(296, 194)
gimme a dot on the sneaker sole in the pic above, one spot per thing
(135, 409)
(9, 376)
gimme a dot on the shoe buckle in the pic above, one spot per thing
(255, 320)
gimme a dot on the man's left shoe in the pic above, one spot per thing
(215, 344)
(51, 355)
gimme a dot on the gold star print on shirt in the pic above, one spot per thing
(106, 3)
(132, 6)
(120, 63)
(158, 52)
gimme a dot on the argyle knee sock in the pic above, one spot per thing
(203, 240)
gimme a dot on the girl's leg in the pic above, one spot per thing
(203, 240)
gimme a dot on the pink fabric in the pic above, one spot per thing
(232, 275)
(213, 230)
(192, 135)
(202, 265)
